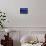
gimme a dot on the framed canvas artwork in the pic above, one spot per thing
(23, 10)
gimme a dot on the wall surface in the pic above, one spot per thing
(35, 18)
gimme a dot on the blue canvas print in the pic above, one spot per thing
(23, 10)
